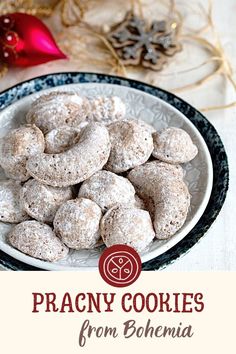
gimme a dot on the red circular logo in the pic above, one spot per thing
(120, 265)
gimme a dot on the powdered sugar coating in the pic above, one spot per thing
(78, 163)
(127, 225)
(174, 145)
(61, 139)
(10, 208)
(146, 176)
(139, 203)
(37, 240)
(107, 109)
(131, 145)
(172, 201)
(17, 146)
(77, 223)
(41, 202)
(146, 126)
(106, 189)
(58, 108)
(165, 194)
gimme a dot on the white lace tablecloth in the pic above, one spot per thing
(217, 250)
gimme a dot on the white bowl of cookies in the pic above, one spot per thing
(87, 166)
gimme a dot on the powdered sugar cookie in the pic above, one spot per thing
(127, 225)
(10, 208)
(37, 240)
(58, 108)
(106, 189)
(145, 125)
(172, 201)
(165, 194)
(78, 163)
(106, 109)
(77, 223)
(41, 201)
(61, 139)
(174, 145)
(139, 203)
(17, 146)
(145, 177)
(131, 145)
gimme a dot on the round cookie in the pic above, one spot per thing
(173, 145)
(106, 109)
(78, 163)
(61, 139)
(106, 189)
(131, 145)
(41, 202)
(37, 240)
(58, 108)
(17, 147)
(127, 225)
(77, 223)
(10, 208)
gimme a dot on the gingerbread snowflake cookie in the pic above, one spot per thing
(136, 44)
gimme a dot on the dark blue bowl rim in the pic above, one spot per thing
(209, 133)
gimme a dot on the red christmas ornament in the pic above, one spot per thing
(26, 41)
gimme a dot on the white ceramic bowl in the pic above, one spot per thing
(159, 114)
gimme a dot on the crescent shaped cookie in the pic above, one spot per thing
(146, 176)
(37, 240)
(75, 165)
(172, 201)
(165, 194)
(58, 108)
(61, 139)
